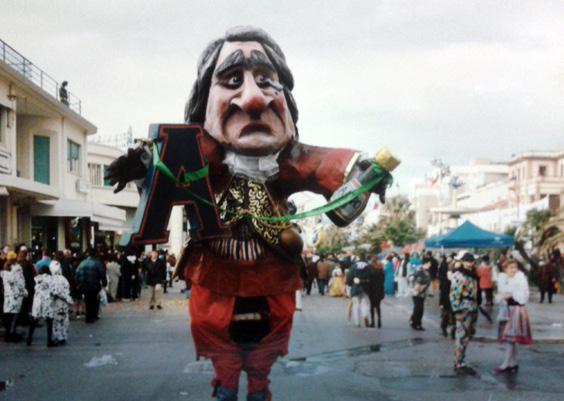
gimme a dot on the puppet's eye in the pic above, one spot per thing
(234, 80)
(262, 80)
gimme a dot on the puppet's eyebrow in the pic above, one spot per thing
(235, 59)
(238, 60)
(259, 59)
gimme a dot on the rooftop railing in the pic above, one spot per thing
(33, 73)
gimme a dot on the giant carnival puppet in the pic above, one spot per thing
(233, 166)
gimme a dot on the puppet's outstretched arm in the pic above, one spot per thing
(131, 166)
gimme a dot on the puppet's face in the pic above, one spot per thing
(247, 110)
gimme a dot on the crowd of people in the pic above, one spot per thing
(51, 288)
(465, 284)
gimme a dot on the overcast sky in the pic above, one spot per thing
(451, 79)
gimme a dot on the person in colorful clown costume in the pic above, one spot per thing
(463, 301)
(243, 285)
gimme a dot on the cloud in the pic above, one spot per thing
(450, 79)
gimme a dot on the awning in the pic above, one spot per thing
(110, 217)
(467, 235)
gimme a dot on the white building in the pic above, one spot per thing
(441, 199)
(45, 197)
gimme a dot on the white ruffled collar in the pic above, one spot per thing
(259, 168)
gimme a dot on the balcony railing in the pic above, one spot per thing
(30, 71)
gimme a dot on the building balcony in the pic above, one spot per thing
(127, 198)
(35, 93)
(32, 73)
(29, 187)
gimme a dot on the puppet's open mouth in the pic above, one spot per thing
(256, 128)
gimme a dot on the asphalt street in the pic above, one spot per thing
(134, 354)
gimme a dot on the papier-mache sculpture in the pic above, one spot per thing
(233, 165)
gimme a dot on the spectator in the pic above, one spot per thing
(64, 94)
(403, 286)
(485, 276)
(376, 291)
(129, 273)
(75, 260)
(170, 268)
(515, 327)
(359, 279)
(434, 273)
(323, 274)
(42, 307)
(389, 276)
(29, 274)
(337, 283)
(45, 260)
(14, 293)
(311, 268)
(60, 300)
(414, 263)
(547, 280)
(65, 260)
(90, 278)
(156, 272)
(420, 282)
(163, 258)
(113, 270)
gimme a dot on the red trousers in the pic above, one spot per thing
(211, 315)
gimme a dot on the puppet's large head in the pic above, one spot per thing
(242, 95)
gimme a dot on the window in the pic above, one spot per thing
(95, 174)
(106, 182)
(41, 159)
(73, 157)
(542, 171)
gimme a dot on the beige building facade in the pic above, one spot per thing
(537, 175)
(99, 157)
(45, 197)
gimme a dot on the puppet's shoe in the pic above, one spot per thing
(263, 395)
(225, 394)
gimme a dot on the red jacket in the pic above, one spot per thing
(485, 275)
(302, 168)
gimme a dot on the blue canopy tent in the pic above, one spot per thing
(469, 235)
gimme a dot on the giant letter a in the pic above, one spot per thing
(179, 150)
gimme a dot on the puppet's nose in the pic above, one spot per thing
(253, 100)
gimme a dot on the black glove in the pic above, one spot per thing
(380, 190)
(126, 168)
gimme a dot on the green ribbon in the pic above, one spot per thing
(187, 178)
(381, 174)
